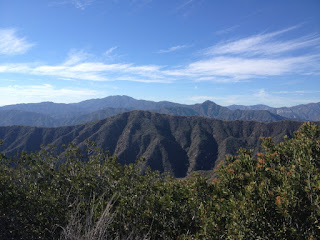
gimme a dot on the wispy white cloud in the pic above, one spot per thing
(80, 4)
(94, 71)
(78, 67)
(13, 94)
(234, 69)
(185, 8)
(246, 67)
(76, 56)
(258, 56)
(12, 44)
(184, 4)
(232, 62)
(299, 92)
(146, 71)
(110, 50)
(173, 49)
(263, 44)
(112, 54)
(227, 30)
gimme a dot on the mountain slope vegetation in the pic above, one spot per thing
(178, 145)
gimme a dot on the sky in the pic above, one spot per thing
(187, 51)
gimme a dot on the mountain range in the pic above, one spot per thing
(174, 138)
(49, 114)
(178, 145)
(310, 112)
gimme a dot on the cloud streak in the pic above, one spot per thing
(263, 44)
(184, 4)
(79, 4)
(75, 57)
(82, 4)
(78, 67)
(110, 50)
(12, 44)
(173, 49)
(234, 69)
(247, 59)
(242, 68)
(227, 30)
(257, 56)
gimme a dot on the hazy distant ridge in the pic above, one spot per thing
(48, 114)
(310, 112)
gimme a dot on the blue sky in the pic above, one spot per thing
(187, 51)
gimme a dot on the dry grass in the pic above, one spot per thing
(86, 227)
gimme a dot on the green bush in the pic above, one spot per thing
(273, 196)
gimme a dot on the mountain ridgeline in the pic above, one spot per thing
(178, 145)
(310, 112)
(48, 114)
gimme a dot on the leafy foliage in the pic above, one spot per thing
(87, 194)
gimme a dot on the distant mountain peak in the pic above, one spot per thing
(208, 102)
(97, 109)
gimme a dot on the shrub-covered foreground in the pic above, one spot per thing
(275, 195)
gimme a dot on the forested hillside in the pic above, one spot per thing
(276, 195)
(178, 145)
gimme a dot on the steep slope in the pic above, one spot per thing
(175, 144)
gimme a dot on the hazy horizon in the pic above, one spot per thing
(200, 102)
